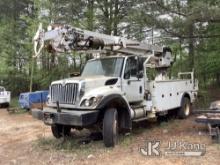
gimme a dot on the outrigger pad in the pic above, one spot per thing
(213, 122)
(209, 118)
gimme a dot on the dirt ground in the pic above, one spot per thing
(24, 140)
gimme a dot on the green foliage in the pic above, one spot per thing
(14, 102)
(70, 145)
(191, 29)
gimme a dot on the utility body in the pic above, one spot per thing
(127, 85)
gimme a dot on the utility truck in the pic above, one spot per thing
(127, 81)
(5, 97)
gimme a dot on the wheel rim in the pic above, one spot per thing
(115, 129)
(187, 109)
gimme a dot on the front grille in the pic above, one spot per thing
(66, 94)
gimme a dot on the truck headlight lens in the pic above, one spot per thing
(93, 101)
(87, 103)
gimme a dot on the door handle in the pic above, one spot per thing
(129, 82)
(140, 90)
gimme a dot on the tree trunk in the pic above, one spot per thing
(90, 16)
(191, 46)
(116, 19)
(218, 78)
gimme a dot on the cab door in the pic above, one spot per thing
(132, 83)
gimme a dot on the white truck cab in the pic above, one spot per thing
(129, 85)
(5, 97)
(115, 89)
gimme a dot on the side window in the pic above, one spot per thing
(141, 61)
(131, 68)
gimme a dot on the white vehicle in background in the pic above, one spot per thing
(5, 97)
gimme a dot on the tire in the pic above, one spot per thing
(161, 119)
(110, 127)
(7, 105)
(59, 131)
(4, 105)
(185, 109)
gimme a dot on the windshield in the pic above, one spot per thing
(2, 89)
(107, 67)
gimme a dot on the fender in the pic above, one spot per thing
(119, 102)
(185, 94)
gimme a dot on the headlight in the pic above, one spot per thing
(87, 103)
(93, 101)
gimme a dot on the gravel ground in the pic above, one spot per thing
(24, 140)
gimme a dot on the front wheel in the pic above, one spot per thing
(110, 127)
(59, 131)
(185, 109)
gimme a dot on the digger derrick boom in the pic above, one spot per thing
(66, 38)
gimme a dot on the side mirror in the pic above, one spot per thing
(127, 75)
(140, 75)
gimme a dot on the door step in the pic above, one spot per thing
(141, 119)
(137, 106)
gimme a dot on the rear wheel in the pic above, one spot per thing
(110, 127)
(185, 109)
(59, 131)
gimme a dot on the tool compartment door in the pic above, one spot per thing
(168, 94)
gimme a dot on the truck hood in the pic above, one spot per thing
(90, 82)
(98, 81)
